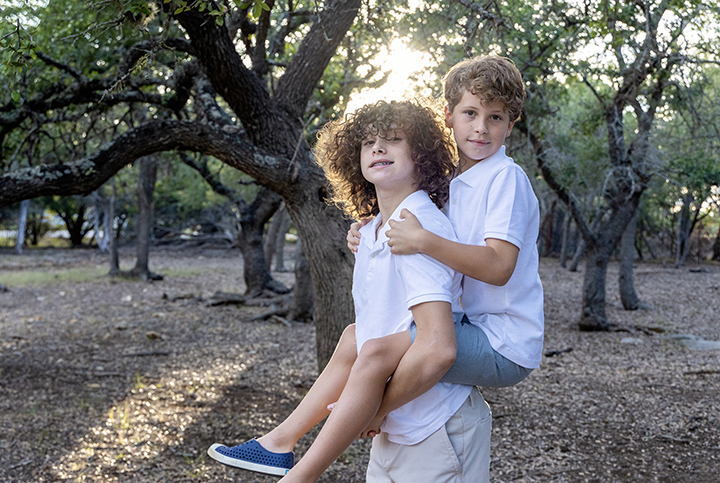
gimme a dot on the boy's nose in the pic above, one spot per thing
(480, 127)
(378, 147)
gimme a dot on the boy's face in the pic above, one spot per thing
(479, 129)
(386, 160)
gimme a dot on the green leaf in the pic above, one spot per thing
(178, 10)
(15, 96)
(264, 6)
(257, 10)
(220, 21)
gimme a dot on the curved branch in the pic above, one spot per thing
(87, 174)
(314, 53)
(64, 67)
(586, 231)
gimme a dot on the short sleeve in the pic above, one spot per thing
(426, 279)
(511, 204)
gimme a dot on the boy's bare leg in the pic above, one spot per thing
(356, 407)
(313, 408)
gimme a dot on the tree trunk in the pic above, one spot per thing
(102, 215)
(22, 223)
(331, 265)
(565, 239)
(682, 246)
(302, 309)
(275, 240)
(629, 298)
(34, 226)
(716, 247)
(75, 227)
(96, 220)
(252, 222)
(146, 187)
(114, 256)
(579, 252)
(547, 230)
(593, 316)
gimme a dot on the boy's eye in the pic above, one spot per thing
(368, 142)
(496, 117)
(469, 112)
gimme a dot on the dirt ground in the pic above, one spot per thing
(114, 380)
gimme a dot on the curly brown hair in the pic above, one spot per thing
(339, 144)
(491, 78)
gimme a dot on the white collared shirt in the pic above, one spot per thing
(494, 199)
(385, 287)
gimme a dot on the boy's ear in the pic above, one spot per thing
(509, 130)
(448, 116)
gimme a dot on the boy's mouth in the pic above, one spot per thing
(479, 142)
(381, 162)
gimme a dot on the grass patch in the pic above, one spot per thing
(42, 277)
(181, 272)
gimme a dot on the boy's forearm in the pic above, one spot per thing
(493, 263)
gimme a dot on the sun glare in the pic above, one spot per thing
(402, 63)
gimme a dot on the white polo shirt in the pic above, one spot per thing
(385, 287)
(494, 199)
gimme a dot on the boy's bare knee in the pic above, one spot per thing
(349, 333)
(347, 345)
(380, 354)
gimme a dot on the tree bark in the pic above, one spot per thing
(147, 177)
(22, 223)
(547, 227)
(102, 221)
(716, 247)
(302, 309)
(252, 222)
(75, 226)
(593, 316)
(275, 240)
(322, 230)
(682, 246)
(579, 253)
(112, 233)
(565, 239)
(628, 296)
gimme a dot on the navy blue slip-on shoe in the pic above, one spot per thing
(252, 456)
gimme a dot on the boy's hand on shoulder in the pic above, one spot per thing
(353, 236)
(405, 236)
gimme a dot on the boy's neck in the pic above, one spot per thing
(465, 162)
(389, 200)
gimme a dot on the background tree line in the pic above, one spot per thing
(619, 133)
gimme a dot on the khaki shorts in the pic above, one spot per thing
(459, 452)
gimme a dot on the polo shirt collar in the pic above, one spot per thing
(474, 175)
(411, 203)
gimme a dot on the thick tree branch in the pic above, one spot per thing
(314, 53)
(87, 174)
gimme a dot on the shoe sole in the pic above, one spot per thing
(245, 465)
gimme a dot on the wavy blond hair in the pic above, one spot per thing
(491, 78)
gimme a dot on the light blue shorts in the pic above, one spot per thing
(477, 363)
